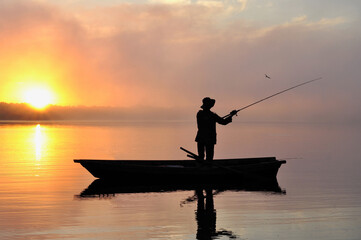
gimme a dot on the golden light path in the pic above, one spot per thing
(38, 141)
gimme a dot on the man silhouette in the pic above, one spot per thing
(206, 122)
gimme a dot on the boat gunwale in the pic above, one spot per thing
(181, 164)
(174, 162)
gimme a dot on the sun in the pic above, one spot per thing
(38, 97)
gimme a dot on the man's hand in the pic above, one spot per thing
(234, 112)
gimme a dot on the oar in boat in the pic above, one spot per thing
(190, 154)
(196, 157)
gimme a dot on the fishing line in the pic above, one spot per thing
(273, 95)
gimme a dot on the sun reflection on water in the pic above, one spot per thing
(38, 141)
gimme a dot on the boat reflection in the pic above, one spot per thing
(102, 188)
(204, 194)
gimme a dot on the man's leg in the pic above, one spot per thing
(200, 147)
(209, 152)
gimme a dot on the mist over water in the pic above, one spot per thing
(40, 183)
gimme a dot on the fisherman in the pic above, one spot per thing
(206, 121)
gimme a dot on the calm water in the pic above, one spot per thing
(40, 185)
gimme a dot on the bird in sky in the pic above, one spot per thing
(267, 76)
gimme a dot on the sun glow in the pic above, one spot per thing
(38, 97)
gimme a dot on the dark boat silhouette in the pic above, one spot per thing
(185, 171)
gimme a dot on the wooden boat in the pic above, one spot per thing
(222, 170)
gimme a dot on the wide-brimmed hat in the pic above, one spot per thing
(208, 103)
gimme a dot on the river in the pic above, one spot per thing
(41, 187)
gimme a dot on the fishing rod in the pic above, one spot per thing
(263, 99)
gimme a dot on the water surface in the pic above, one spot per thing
(40, 185)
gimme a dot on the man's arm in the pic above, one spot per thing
(225, 121)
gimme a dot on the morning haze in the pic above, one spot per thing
(170, 54)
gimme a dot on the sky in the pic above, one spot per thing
(169, 54)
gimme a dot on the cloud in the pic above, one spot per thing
(324, 22)
(170, 1)
(166, 55)
(43, 45)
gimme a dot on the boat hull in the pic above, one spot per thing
(223, 170)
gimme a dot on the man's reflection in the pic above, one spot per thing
(205, 214)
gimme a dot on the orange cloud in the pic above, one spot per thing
(166, 55)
